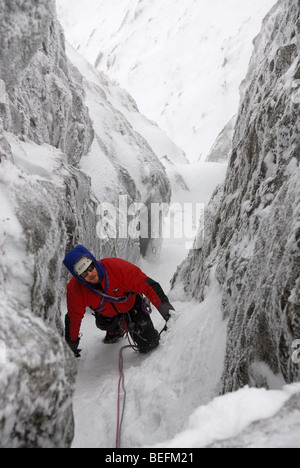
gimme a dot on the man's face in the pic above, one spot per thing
(92, 276)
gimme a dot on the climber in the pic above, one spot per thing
(117, 291)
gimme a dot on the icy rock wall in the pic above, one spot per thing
(44, 131)
(222, 148)
(49, 108)
(21, 31)
(252, 232)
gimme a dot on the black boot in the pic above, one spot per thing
(141, 328)
(113, 337)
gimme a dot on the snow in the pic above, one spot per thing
(33, 161)
(227, 416)
(158, 52)
(12, 241)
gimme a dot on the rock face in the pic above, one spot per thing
(45, 126)
(21, 31)
(49, 108)
(253, 222)
(48, 205)
(222, 149)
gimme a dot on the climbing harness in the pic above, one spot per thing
(120, 414)
(102, 292)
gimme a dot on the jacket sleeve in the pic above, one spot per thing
(139, 282)
(76, 311)
(154, 292)
(156, 295)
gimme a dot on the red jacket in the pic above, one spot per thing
(123, 278)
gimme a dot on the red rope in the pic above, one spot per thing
(121, 381)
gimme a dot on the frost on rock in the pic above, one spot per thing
(49, 108)
(38, 373)
(37, 377)
(44, 127)
(253, 221)
(221, 150)
(21, 31)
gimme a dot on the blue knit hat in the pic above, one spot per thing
(79, 252)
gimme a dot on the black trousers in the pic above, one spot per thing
(139, 324)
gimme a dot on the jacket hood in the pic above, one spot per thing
(72, 258)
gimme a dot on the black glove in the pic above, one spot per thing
(74, 347)
(164, 310)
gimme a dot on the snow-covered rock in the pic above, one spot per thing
(279, 431)
(44, 126)
(182, 61)
(222, 148)
(49, 108)
(247, 418)
(253, 220)
(20, 31)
